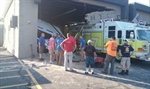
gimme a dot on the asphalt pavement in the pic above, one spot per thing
(13, 74)
(33, 74)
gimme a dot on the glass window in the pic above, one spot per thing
(144, 35)
(112, 28)
(119, 34)
(111, 31)
(128, 34)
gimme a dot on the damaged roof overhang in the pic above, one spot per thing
(61, 12)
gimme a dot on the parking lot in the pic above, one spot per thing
(139, 77)
(51, 76)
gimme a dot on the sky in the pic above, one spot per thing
(145, 2)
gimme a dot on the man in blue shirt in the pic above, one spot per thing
(41, 45)
(125, 51)
(82, 45)
(59, 51)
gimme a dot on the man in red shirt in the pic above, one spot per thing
(69, 46)
(72, 38)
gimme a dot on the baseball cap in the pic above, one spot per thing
(89, 41)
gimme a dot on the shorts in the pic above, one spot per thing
(89, 62)
(51, 52)
(41, 49)
(59, 52)
(125, 62)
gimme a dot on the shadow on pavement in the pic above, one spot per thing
(118, 79)
(13, 74)
(41, 80)
(135, 78)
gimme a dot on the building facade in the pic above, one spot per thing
(142, 10)
(18, 38)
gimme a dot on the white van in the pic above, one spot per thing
(48, 29)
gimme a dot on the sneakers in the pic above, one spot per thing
(66, 70)
(122, 72)
(41, 59)
(51, 62)
(72, 71)
(92, 72)
(127, 72)
(86, 73)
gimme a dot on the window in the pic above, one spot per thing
(100, 26)
(128, 33)
(111, 31)
(119, 34)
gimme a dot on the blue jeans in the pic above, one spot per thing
(89, 62)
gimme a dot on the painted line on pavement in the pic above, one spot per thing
(32, 77)
(7, 63)
(15, 85)
(1, 58)
(9, 70)
(10, 66)
(12, 77)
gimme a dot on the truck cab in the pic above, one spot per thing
(100, 33)
(137, 36)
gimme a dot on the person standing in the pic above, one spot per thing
(73, 39)
(89, 53)
(125, 51)
(59, 51)
(51, 47)
(111, 47)
(41, 45)
(82, 45)
(69, 46)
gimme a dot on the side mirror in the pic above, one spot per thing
(131, 35)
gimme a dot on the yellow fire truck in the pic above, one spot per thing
(100, 33)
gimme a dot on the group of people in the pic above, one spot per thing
(62, 48)
(125, 52)
(65, 48)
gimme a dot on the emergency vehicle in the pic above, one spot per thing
(49, 30)
(100, 33)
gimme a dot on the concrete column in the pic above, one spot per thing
(27, 28)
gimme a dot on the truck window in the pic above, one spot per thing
(111, 31)
(128, 33)
(119, 34)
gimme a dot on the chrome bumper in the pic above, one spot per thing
(144, 57)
